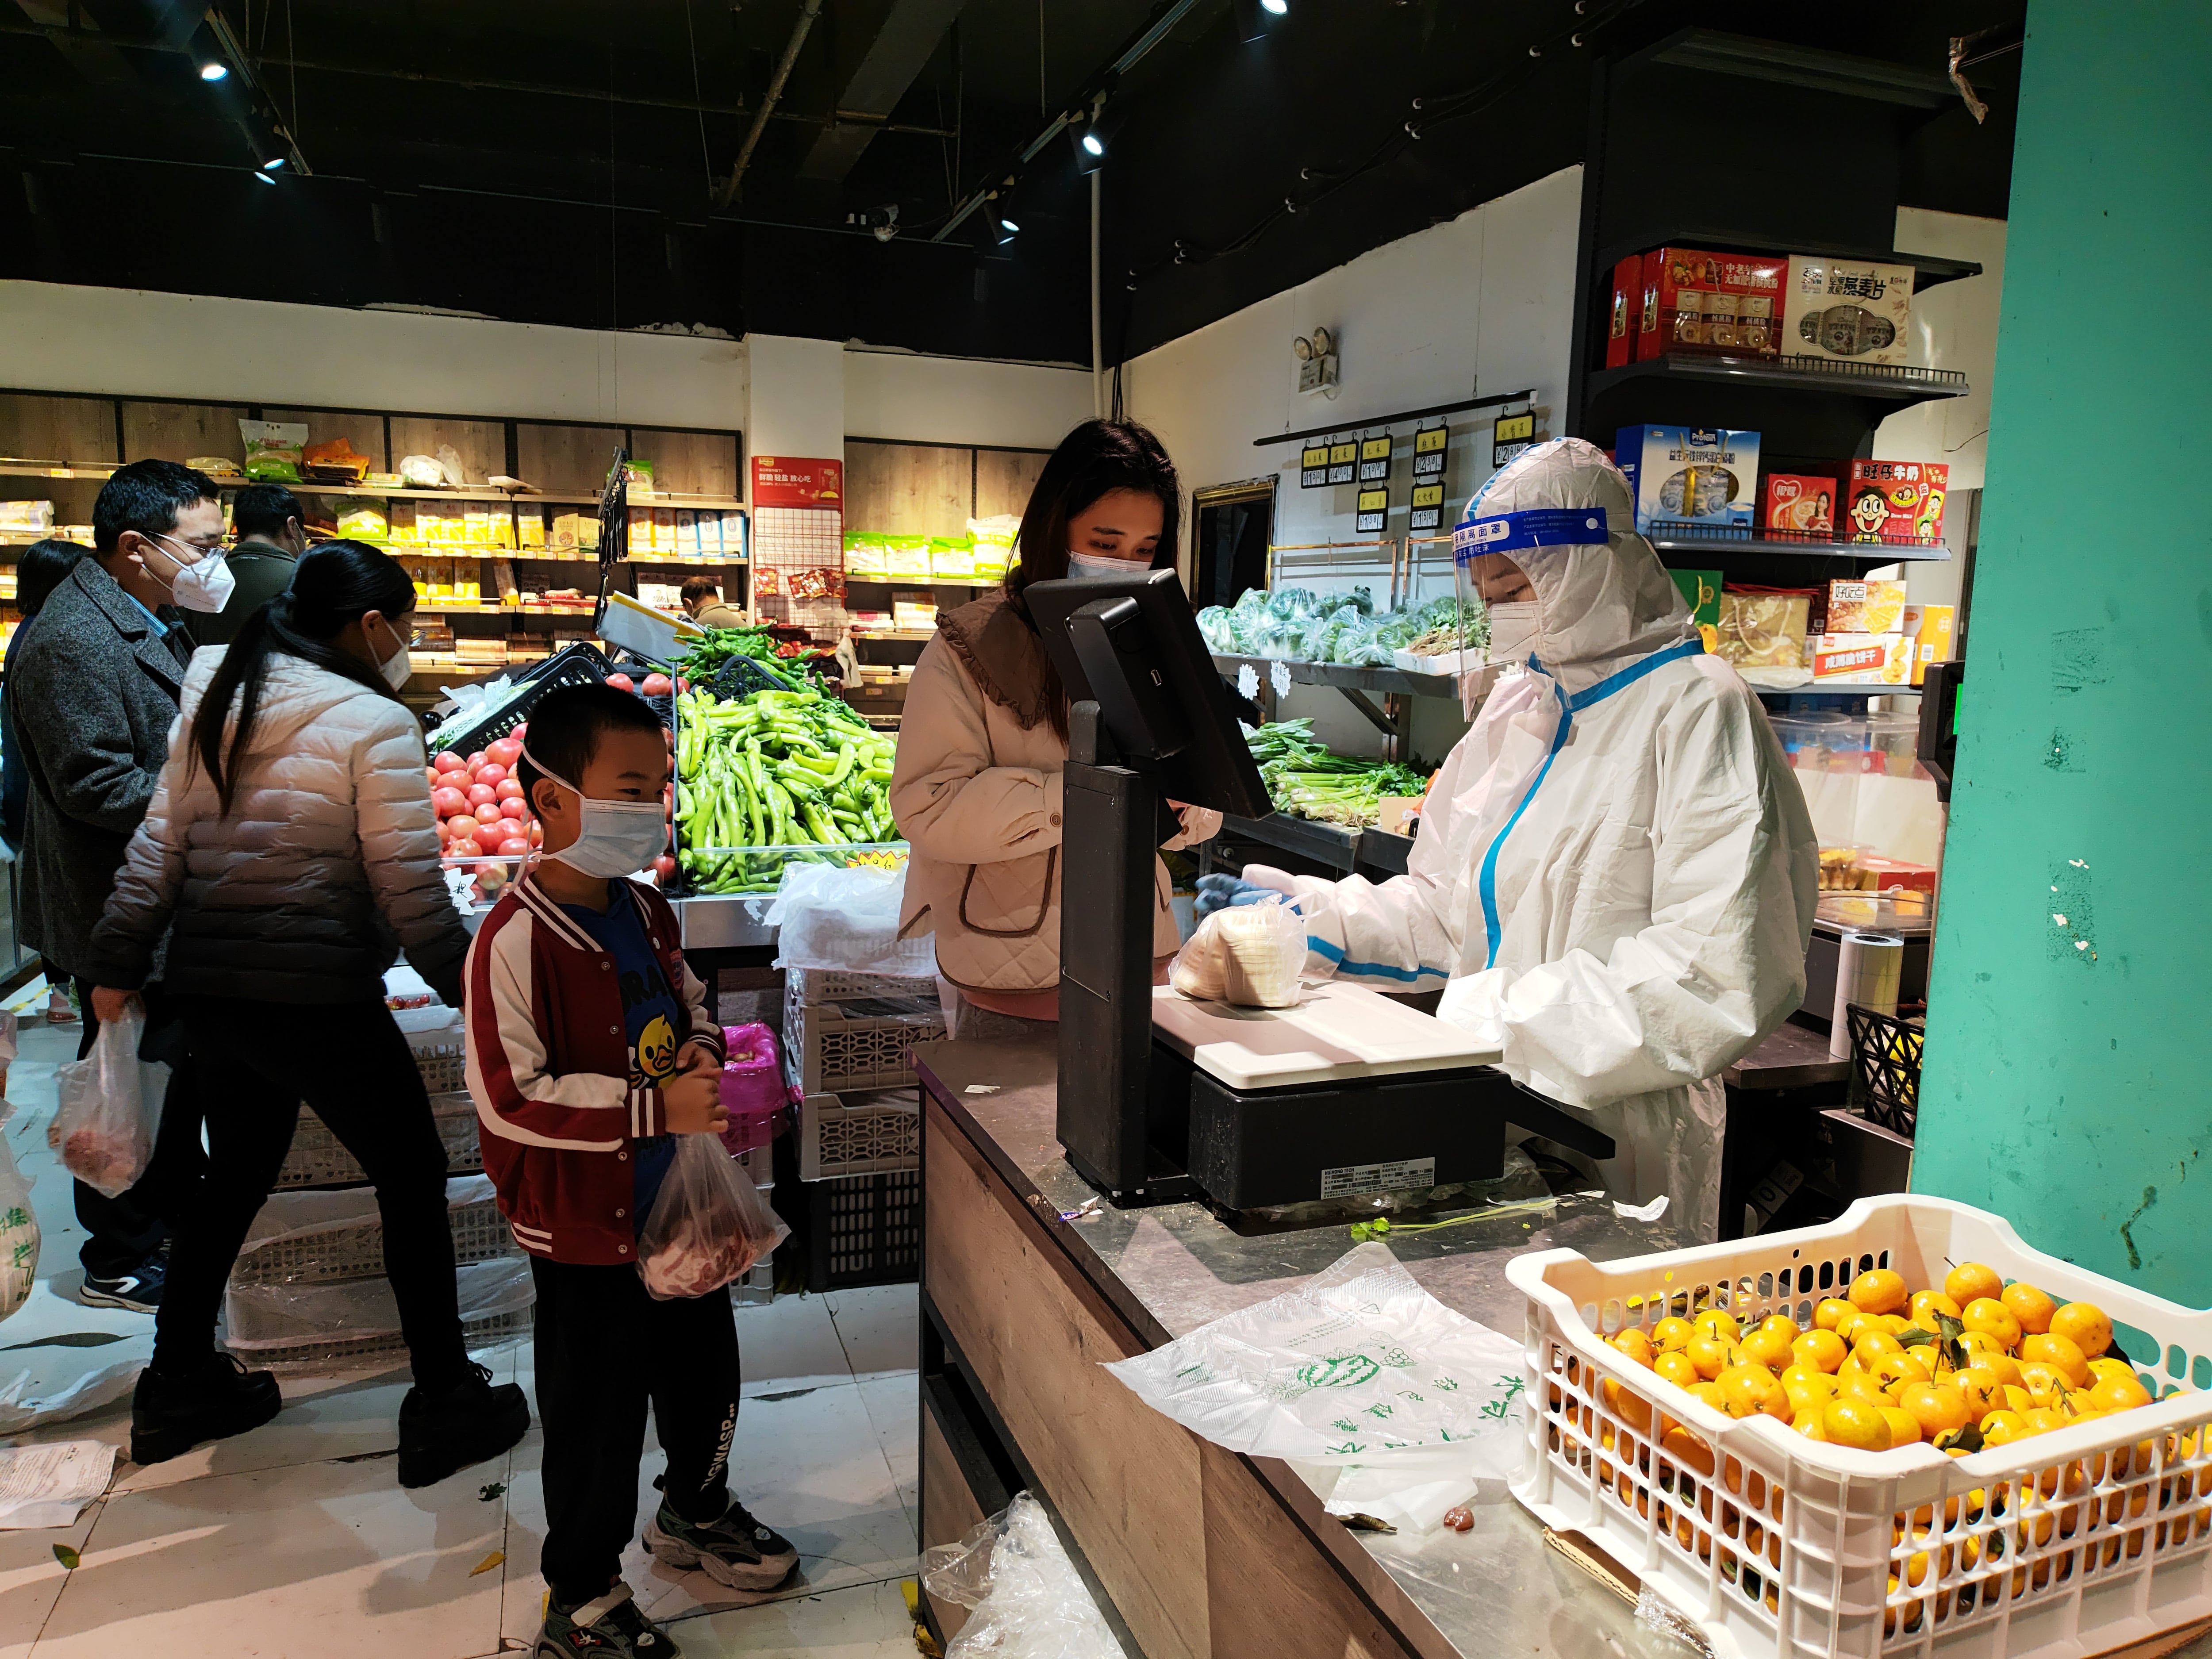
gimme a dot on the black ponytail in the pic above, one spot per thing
(335, 584)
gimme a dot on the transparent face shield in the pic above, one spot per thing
(1498, 612)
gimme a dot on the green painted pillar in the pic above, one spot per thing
(2068, 1085)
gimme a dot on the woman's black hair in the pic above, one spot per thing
(40, 570)
(335, 584)
(1094, 460)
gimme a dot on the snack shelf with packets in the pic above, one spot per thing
(1731, 539)
(1929, 270)
(1898, 383)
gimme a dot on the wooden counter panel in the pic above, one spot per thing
(1125, 1480)
(949, 1509)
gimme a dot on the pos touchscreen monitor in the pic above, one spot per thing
(1131, 644)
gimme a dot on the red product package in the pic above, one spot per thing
(1716, 302)
(1895, 502)
(1626, 315)
(1796, 502)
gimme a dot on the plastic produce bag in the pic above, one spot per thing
(273, 449)
(753, 1089)
(848, 921)
(1249, 955)
(19, 1231)
(708, 1226)
(110, 1108)
(1028, 1600)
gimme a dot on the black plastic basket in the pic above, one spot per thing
(580, 664)
(1886, 1066)
(864, 1230)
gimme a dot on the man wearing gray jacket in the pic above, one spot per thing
(92, 690)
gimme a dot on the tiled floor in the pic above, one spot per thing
(296, 1541)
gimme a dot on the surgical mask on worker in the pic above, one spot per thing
(1512, 630)
(204, 586)
(397, 667)
(614, 837)
(1089, 564)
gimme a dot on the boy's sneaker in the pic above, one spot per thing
(610, 1626)
(467, 1423)
(171, 1415)
(138, 1291)
(736, 1550)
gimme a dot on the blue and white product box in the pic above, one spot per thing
(1690, 475)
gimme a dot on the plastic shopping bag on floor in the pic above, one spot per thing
(1028, 1600)
(708, 1226)
(19, 1231)
(111, 1107)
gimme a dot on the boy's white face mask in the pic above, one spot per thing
(614, 837)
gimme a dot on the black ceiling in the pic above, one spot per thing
(568, 161)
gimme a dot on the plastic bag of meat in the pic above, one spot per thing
(708, 1226)
(111, 1107)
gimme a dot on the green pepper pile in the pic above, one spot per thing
(774, 769)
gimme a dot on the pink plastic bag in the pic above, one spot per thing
(754, 1092)
(709, 1224)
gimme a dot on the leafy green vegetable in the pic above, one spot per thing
(1307, 781)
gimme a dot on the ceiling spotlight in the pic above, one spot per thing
(1089, 147)
(1003, 229)
(214, 71)
(264, 178)
(272, 165)
(1277, 7)
(1255, 17)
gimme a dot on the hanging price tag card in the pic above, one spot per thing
(1373, 504)
(1313, 466)
(1375, 460)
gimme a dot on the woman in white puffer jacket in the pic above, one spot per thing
(289, 853)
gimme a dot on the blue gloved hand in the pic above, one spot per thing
(1223, 892)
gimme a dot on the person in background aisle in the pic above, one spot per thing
(976, 784)
(591, 1045)
(701, 597)
(290, 842)
(92, 691)
(37, 573)
(271, 536)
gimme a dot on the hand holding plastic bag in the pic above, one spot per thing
(110, 1108)
(708, 1226)
(1247, 954)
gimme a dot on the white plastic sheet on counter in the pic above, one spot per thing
(1029, 1601)
(1392, 1404)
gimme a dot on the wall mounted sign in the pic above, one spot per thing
(1428, 506)
(1375, 460)
(1510, 434)
(1342, 458)
(1373, 504)
(1313, 466)
(1429, 452)
(794, 480)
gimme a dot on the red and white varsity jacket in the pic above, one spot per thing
(548, 1068)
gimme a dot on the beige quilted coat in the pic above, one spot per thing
(978, 795)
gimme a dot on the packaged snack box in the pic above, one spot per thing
(1625, 313)
(1764, 627)
(1860, 659)
(1896, 501)
(1929, 628)
(1701, 592)
(1865, 606)
(1846, 309)
(1799, 503)
(1694, 301)
(1690, 475)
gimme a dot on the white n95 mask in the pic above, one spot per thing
(1512, 630)
(616, 837)
(204, 586)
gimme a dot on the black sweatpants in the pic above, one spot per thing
(604, 1347)
(122, 1232)
(350, 1062)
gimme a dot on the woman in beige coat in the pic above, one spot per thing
(977, 789)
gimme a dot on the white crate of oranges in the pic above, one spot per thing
(1902, 1432)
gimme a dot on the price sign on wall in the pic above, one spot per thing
(1313, 466)
(1511, 435)
(1428, 506)
(1375, 460)
(1429, 452)
(1342, 458)
(1373, 504)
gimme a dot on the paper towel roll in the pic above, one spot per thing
(1867, 970)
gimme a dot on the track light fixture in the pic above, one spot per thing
(1003, 229)
(1255, 17)
(1089, 147)
(214, 71)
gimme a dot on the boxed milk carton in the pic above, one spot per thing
(1686, 475)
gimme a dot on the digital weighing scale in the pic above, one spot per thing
(1163, 1098)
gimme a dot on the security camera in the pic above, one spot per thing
(881, 222)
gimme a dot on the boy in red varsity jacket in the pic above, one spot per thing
(591, 1045)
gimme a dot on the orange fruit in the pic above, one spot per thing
(1832, 1308)
(2117, 1394)
(2045, 1383)
(1715, 1323)
(1864, 1387)
(2061, 1351)
(1677, 1368)
(1904, 1426)
(1710, 1356)
(2086, 1325)
(1988, 1357)
(1822, 1350)
(1855, 1423)
(1751, 1389)
(1635, 1343)
(1981, 1389)
(2003, 1428)
(1971, 1281)
(2017, 1398)
(1633, 1411)
(1993, 1318)
(1871, 1343)
(2049, 1419)
(1782, 1322)
(1807, 1423)
(1671, 1333)
(1938, 1408)
(1768, 1348)
(1897, 1370)
(1879, 1290)
(1689, 1449)
(2030, 1306)
(2101, 1368)
(1709, 1393)
(1927, 1305)
(1807, 1387)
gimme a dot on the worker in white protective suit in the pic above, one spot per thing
(1615, 873)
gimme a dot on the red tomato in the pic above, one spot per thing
(514, 809)
(517, 734)
(682, 684)
(448, 802)
(489, 824)
(622, 682)
(479, 794)
(476, 760)
(432, 776)
(464, 847)
(536, 833)
(509, 789)
(447, 761)
(664, 866)
(461, 825)
(657, 685)
(503, 752)
(493, 773)
(514, 847)
(445, 833)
